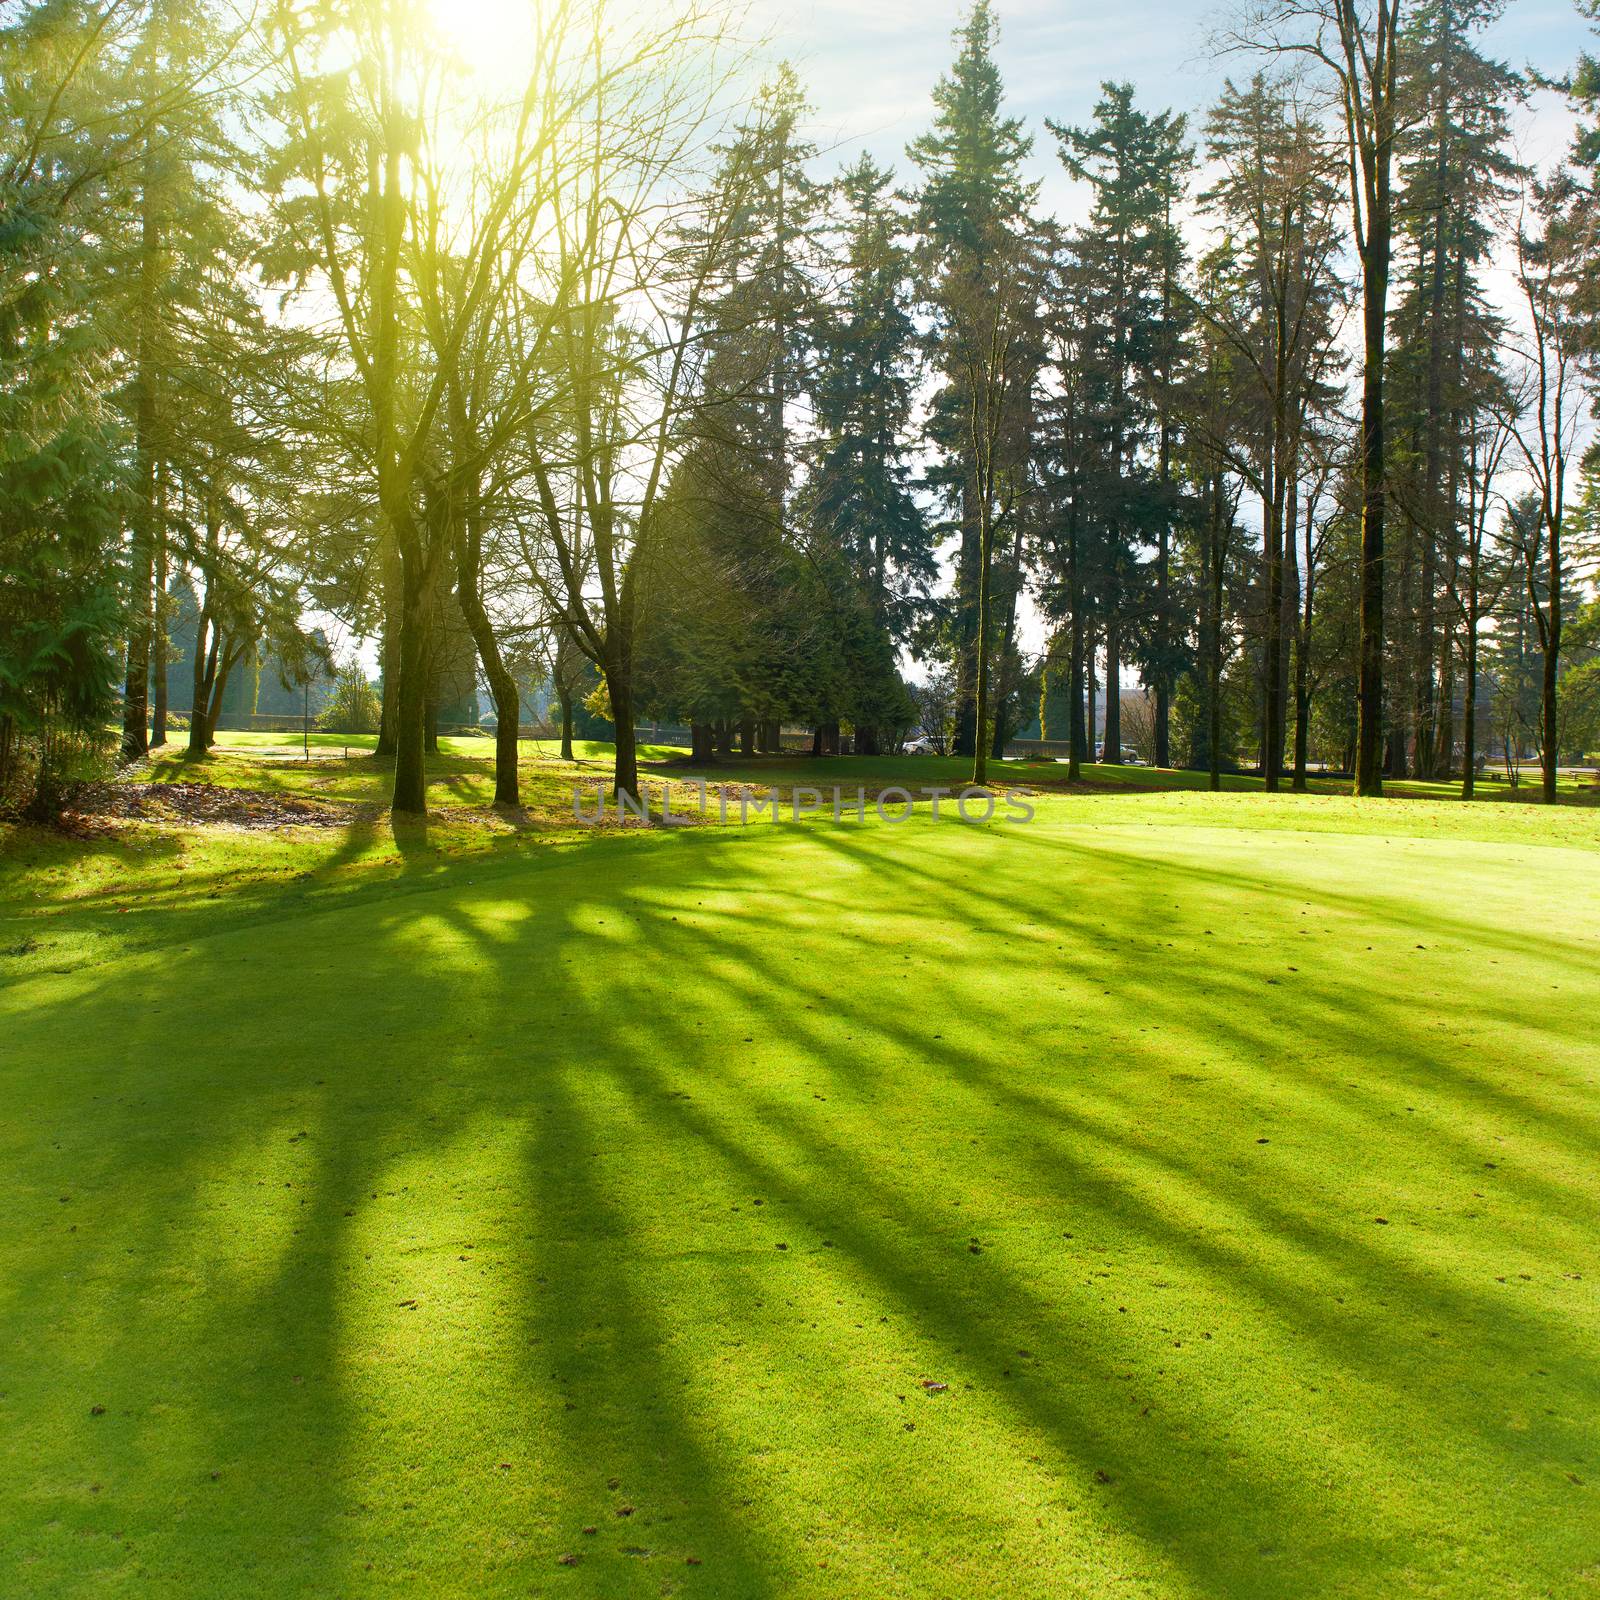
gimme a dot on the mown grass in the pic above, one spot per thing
(343, 769)
(385, 1210)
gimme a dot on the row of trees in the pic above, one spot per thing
(1117, 407)
(591, 375)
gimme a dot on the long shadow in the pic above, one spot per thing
(1229, 1264)
(542, 1067)
(1149, 976)
(615, 1389)
(1336, 1256)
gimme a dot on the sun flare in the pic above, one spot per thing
(492, 37)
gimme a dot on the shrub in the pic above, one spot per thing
(355, 706)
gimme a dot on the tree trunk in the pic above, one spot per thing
(1077, 750)
(1422, 710)
(136, 688)
(619, 680)
(1424, 705)
(1089, 692)
(1008, 635)
(1444, 738)
(158, 631)
(200, 683)
(701, 741)
(1302, 701)
(1369, 685)
(1550, 639)
(1077, 738)
(1113, 750)
(502, 686)
(221, 671)
(969, 585)
(1162, 754)
(410, 793)
(747, 736)
(564, 696)
(389, 650)
(506, 709)
(1550, 755)
(1396, 763)
(1218, 554)
(1288, 618)
(1272, 698)
(1305, 585)
(980, 737)
(1394, 752)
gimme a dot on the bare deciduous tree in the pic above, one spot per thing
(1358, 46)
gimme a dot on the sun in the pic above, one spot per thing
(492, 37)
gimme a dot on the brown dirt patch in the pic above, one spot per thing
(209, 803)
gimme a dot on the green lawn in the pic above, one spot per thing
(384, 1213)
(341, 768)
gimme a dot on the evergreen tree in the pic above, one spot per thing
(859, 500)
(1456, 170)
(176, 225)
(1276, 195)
(61, 601)
(972, 206)
(1218, 406)
(759, 340)
(1124, 261)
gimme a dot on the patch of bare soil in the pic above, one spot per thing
(254, 809)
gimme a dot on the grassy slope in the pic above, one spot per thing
(403, 1197)
(463, 773)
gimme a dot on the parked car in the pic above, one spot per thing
(920, 747)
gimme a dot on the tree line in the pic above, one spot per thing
(595, 377)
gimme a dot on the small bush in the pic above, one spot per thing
(41, 771)
(355, 706)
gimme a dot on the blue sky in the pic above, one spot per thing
(870, 65)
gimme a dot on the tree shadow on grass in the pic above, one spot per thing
(531, 1103)
(1244, 1217)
